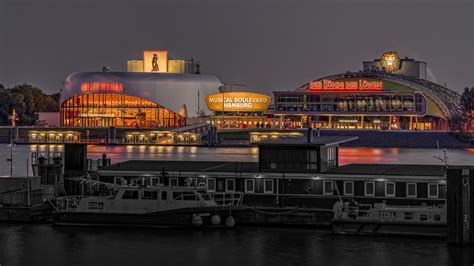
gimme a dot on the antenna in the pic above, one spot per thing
(199, 108)
(443, 159)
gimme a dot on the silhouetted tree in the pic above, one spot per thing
(26, 100)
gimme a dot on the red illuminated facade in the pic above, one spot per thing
(104, 104)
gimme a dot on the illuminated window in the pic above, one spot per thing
(105, 109)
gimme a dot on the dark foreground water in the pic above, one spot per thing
(47, 245)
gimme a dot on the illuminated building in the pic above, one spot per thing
(154, 93)
(399, 98)
(238, 109)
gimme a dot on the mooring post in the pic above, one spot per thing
(460, 205)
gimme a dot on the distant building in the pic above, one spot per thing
(389, 94)
(150, 95)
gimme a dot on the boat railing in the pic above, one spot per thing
(227, 198)
(67, 203)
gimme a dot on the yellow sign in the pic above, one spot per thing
(238, 102)
(155, 61)
(390, 62)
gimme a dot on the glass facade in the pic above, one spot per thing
(355, 110)
(349, 102)
(120, 110)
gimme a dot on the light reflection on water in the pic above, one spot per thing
(237, 154)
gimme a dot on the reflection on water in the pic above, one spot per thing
(47, 245)
(236, 154)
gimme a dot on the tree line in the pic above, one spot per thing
(26, 100)
(462, 121)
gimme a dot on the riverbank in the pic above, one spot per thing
(366, 138)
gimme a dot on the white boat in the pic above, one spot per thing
(383, 219)
(140, 206)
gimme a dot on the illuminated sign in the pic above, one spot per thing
(101, 86)
(155, 61)
(238, 102)
(96, 115)
(390, 62)
(352, 85)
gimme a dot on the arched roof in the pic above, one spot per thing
(166, 89)
(447, 100)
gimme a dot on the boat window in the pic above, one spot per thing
(327, 188)
(204, 195)
(118, 180)
(164, 195)
(173, 182)
(268, 186)
(349, 188)
(211, 184)
(188, 195)
(130, 194)
(408, 215)
(155, 180)
(390, 189)
(230, 185)
(249, 186)
(432, 190)
(177, 195)
(423, 217)
(150, 195)
(369, 189)
(411, 190)
(437, 217)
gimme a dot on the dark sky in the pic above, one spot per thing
(266, 44)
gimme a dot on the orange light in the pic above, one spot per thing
(101, 86)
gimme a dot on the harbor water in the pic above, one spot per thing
(22, 153)
(47, 245)
(43, 244)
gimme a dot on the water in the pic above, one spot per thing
(240, 154)
(47, 245)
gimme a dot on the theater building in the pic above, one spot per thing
(154, 92)
(388, 94)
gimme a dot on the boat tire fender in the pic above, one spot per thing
(197, 221)
(230, 221)
(215, 219)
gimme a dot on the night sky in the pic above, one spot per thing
(266, 44)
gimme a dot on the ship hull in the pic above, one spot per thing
(171, 218)
(390, 228)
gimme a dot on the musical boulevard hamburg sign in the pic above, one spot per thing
(350, 85)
